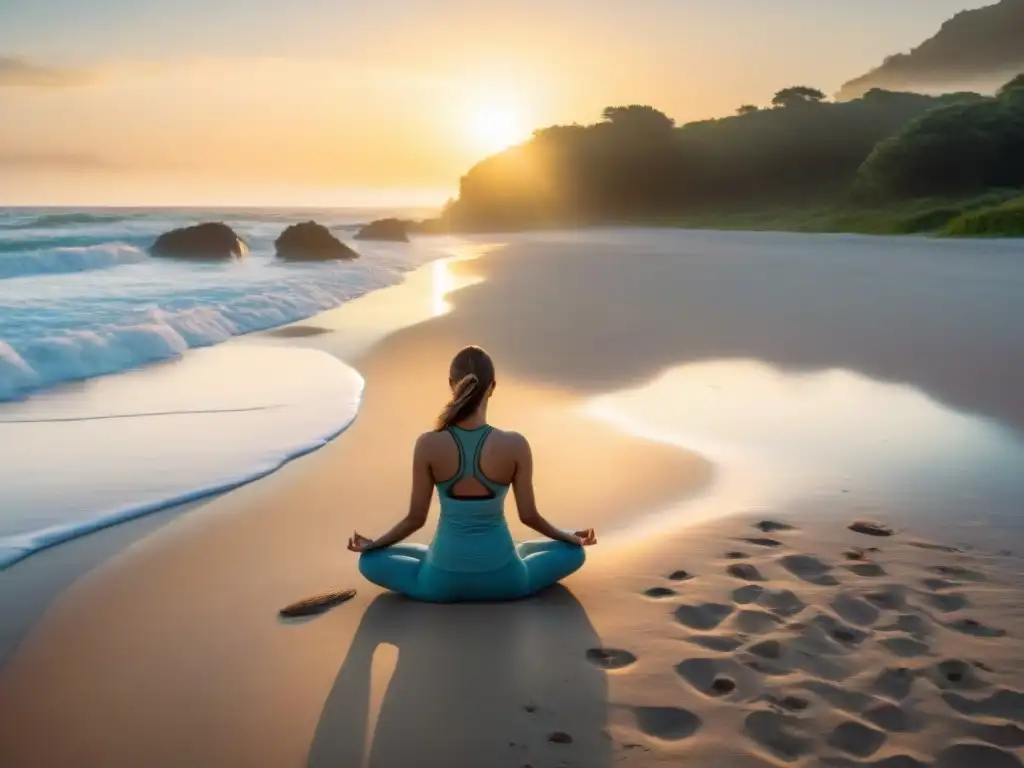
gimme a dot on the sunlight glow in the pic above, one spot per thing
(497, 126)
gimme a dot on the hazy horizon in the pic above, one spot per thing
(252, 103)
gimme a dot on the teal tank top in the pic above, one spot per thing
(472, 534)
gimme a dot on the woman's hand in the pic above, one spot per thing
(359, 543)
(587, 537)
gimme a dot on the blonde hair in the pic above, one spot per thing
(471, 376)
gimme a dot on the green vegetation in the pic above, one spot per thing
(1006, 220)
(885, 163)
(958, 149)
(925, 216)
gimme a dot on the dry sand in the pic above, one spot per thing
(713, 645)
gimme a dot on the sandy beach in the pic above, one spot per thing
(745, 629)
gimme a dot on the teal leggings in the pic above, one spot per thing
(403, 568)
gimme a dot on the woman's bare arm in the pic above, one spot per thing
(419, 501)
(526, 501)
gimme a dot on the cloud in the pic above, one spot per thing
(17, 72)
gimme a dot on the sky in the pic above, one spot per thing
(373, 102)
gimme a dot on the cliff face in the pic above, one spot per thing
(979, 49)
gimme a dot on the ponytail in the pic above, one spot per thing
(471, 376)
(466, 398)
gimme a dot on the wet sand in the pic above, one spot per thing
(711, 644)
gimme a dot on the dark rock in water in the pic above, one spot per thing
(393, 230)
(310, 241)
(212, 240)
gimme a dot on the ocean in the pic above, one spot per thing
(80, 296)
(81, 299)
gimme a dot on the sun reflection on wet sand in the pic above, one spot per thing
(421, 296)
(776, 437)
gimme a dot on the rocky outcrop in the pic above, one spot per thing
(978, 49)
(392, 230)
(209, 241)
(310, 241)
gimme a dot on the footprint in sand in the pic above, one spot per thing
(916, 626)
(856, 739)
(756, 622)
(1004, 704)
(781, 602)
(975, 629)
(667, 723)
(853, 702)
(703, 617)
(771, 526)
(957, 675)
(905, 647)
(809, 569)
(980, 755)
(745, 571)
(1007, 735)
(956, 572)
(747, 595)
(680, 576)
(893, 719)
(790, 703)
(937, 585)
(610, 658)
(763, 542)
(867, 570)
(735, 555)
(767, 649)
(889, 598)
(660, 593)
(894, 683)
(766, 658)
(780, 734)
(948, 602)
(847, 635)
(854, 610)
(720, 643)
(716, 677)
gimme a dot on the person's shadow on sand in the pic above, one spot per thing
(474, 685)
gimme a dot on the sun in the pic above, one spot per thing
(494, 127)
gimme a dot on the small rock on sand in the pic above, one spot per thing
(869, 528)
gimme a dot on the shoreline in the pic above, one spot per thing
(351, 333)
(416, 298)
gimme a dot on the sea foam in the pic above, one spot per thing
(129, 445)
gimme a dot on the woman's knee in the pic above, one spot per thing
(373, 565)
(574, 557)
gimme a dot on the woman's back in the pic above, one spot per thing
(490, 460)
(472, 533)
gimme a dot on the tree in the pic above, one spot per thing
(953, 150)
(797, 95)
(747, 109)
(640, 117)
(1015, 85)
